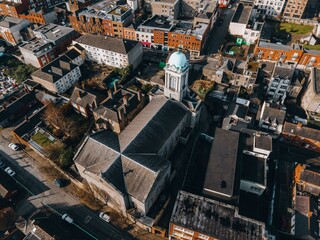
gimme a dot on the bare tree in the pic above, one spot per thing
(7, 218)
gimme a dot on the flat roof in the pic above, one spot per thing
(242, 14)
(253, 168)
(157, 21)
(213, 218)
(221, 170)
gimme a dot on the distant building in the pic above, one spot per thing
(311, 98)
(40, 15)
(271, 8)
(59, 75)
(13, 7)
(111, 51)
(10, 29)
(165, 8)
(118, 109)
(196, 217)
(301, 136)
(299, 9)
(59, 35)
(38, 52)
(244, 23)
(271, 118)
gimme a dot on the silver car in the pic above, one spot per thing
(10, 171)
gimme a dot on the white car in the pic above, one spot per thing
(104, 216)
(67, 218)
(13, 146)
(10, 171)
(230, 6)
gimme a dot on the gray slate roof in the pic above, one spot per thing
(137, 146)
(301, 131)
(117, 45)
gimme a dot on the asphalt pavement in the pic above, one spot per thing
(44, 193)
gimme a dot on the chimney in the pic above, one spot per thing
(79, 93)
(115, 85)
(110, 94)
(26, 118)
(299, 125)
(125, 100)
(139, 95)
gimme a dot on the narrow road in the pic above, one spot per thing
(44, 193)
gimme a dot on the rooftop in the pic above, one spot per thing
(156, 21)
(242, 14)
(37, 46)
(187, 28)
(301, 131)
(213, 218)
(9, 22)
(283, 71)
(53, 32)
(165, 1)
(55, 70)
(316, 76)
(108, 43)
(221, 170)
(274, 46)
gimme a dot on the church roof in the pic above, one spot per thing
(178, 59)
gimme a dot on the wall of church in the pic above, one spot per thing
(176, 84)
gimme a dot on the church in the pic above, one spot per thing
(130, 170)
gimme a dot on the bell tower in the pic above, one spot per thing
(176, 76)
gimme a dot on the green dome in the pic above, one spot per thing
(178, 59)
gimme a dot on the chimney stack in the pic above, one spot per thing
(125, 100)
(110, 94)
(121, 114)
(299, 125)
(139, 95)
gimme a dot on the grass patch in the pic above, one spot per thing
(296, 28)
(41, 139)
(311, 47)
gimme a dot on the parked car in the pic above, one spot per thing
(10, 171)
(2, 164)
(61, 182)
(13, 146)
(67, 218)
(230, 6)
(104, 216)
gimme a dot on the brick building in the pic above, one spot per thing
(13, 8)
(10, 29)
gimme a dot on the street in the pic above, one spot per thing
(218, 33)
(44, 193)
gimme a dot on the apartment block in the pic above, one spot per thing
(165, 8)
(111, 51)
(10, 29)
(58, 76)
(38, 52)
(13, 8)
(39, 16)
(295, 9)
(271, 8)
(100, 18)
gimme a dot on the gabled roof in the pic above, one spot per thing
(131, 160)
(273, 115)
(301, 131)
(86, 97)
(112, 44)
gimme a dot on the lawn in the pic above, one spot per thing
(41, 139)
(311, 47)
(296, 28)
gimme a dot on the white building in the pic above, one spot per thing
(10, 28)
(244, 24)
(133, 4)
(270, 7)
(59, 75)
(111, 51)
(280, 83)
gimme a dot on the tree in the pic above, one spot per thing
(55, 150)
(65, 159)
(7, 218)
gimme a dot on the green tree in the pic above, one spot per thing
(65, 159)
(55, 150)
